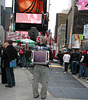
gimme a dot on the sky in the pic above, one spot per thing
(56, 7)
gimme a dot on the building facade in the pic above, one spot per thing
(61, 35)
(60, 19)
(76, 21)
(2, 21)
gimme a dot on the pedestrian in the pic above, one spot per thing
(75, 61)
(28, 57)
(83, 65)
(22, 57)
(66, 60)
(10, 53)
(3, 72)
(60, 57)
(41, 71)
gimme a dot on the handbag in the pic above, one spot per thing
(13, 64)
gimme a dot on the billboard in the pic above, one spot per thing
(85, 33)
(17, 35)
(84, 44)
(28, 18)
(76, 40)
(83, 5)
(30, 6)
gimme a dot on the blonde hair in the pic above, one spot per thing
(44, 41)
(5, 44)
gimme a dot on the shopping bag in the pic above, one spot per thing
(13, 64)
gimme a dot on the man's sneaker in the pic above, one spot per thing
(86, 80)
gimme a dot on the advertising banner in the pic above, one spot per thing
(76, 40)
(28, 18)
(17, 35)
(84, 44)
(85, 33)
(82, 4)
(31, 6)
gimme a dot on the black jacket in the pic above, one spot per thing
(84, 59)
(75, 56)
(10, 53)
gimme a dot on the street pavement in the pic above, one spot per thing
(23, 88)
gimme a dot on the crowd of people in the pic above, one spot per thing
(8, 52)
(76, 61)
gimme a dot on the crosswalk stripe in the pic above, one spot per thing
(55, 66)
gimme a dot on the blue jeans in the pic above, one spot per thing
(58, 61)
(22, 59)
(83, 72)
(10, 76)
(74, 67)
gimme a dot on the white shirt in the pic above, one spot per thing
(66, 58)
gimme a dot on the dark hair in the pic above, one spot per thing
(10, 41)
(38, 44)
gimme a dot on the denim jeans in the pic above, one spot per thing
(10, 76)
(74, 67)
(58, 61)
(83, 72)
(22, 59)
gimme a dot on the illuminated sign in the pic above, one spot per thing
(83, 5)
(28, 18)
(76, 40)
(31, 6)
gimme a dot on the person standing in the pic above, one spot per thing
(22, 56)
(75, 56)
(41, 71)
(3, 72)
(28, 57)
(10, 53)
(60, 57)
(83, 65)
(66, 60)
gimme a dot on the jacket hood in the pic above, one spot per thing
(84, 52)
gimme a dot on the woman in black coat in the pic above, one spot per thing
(10, 53)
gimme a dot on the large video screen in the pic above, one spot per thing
(83, 5)
(28, 18)
(33, 6)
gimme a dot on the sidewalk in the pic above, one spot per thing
(23, 88)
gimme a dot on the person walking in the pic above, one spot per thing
(41, 71)
(66, 60)
(10, 53)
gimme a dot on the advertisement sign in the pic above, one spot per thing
(84, 44)
(76, 40)
(17, 35)
(85, 33)
(83, 5)
(28, 18)
(31, 6)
